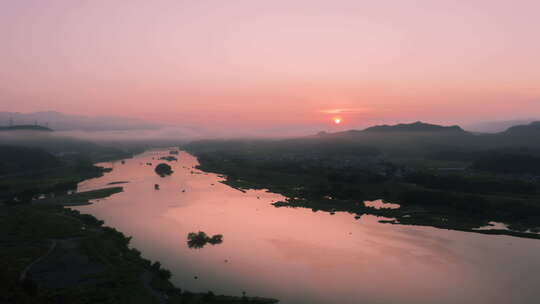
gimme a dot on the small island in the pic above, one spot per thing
(163, 170)
(169, 158)
(200, 239)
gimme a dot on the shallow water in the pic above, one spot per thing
(299, 256)
(380, 204)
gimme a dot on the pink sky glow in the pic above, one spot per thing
(264, 64)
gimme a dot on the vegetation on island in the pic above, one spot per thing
(200, 239)
(169, 158)
(163, 170)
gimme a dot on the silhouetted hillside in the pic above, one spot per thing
(21, 159)
(25, 128)
(66, 122)
(414, 127)
(532, 129)
(495, 126)
(58, 145)
(435, 141)
(412, 139)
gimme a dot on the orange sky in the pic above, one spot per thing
(267, 64)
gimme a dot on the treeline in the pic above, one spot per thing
(509, 164)
(504, 160)
(472, 183)
(15, 159)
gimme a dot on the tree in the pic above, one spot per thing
(163, 170)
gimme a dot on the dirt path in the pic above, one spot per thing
(22, 277)
(57, 250)
(55, 244)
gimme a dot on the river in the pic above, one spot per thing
(300, 256)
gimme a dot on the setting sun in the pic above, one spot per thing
(337, 120)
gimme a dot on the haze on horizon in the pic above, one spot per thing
(274, 66)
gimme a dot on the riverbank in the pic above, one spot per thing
(308, 184)
(325, 254)
(52, 254)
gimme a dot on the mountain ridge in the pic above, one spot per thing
(26, 128)
(532, 128)
(416, 128)
(413, 127)
(68, 122)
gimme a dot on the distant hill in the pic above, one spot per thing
(412, 130)
(26, 128)
(414, 127)
(496, 126)
(51, 142)
(420, 138)
(408, 140)
(532, 129)
(66, 122)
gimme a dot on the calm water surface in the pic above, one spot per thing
(299, 256)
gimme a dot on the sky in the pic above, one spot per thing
(275, 66)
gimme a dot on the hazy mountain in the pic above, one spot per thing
(419, 138)
(531, 129)
(496, 126)
(407, 140)
(65, 122)
(25, 128)
(411, 130)
(414, 127)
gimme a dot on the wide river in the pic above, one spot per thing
(300, 256)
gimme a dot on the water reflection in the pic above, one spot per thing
(300, 256)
